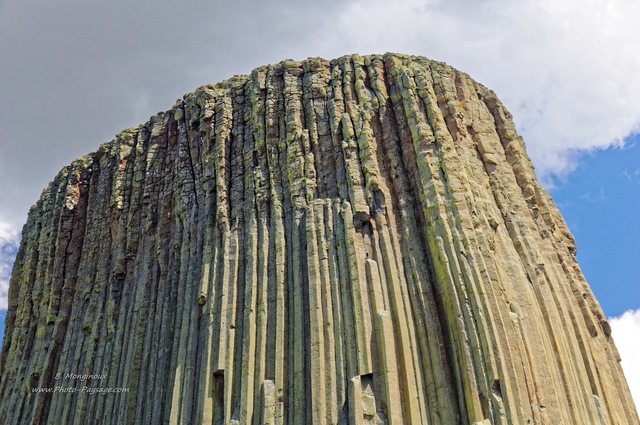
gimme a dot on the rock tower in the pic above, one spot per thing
(356, 241)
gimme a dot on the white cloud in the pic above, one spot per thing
(566, 70)
(633, 176)
(594, 198)
(626, 334)
(9, 241)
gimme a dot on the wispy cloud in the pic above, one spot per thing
(633, 175)
(9, 241)
(593, 197)
(626, 330)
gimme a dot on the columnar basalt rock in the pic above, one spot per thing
(358, 241)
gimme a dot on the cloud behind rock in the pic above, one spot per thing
(625, 330)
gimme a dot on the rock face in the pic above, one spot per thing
(361, 241)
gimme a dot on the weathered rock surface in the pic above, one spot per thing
(358, 241)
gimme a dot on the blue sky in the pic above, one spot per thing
(600, 202)
(74, 73)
